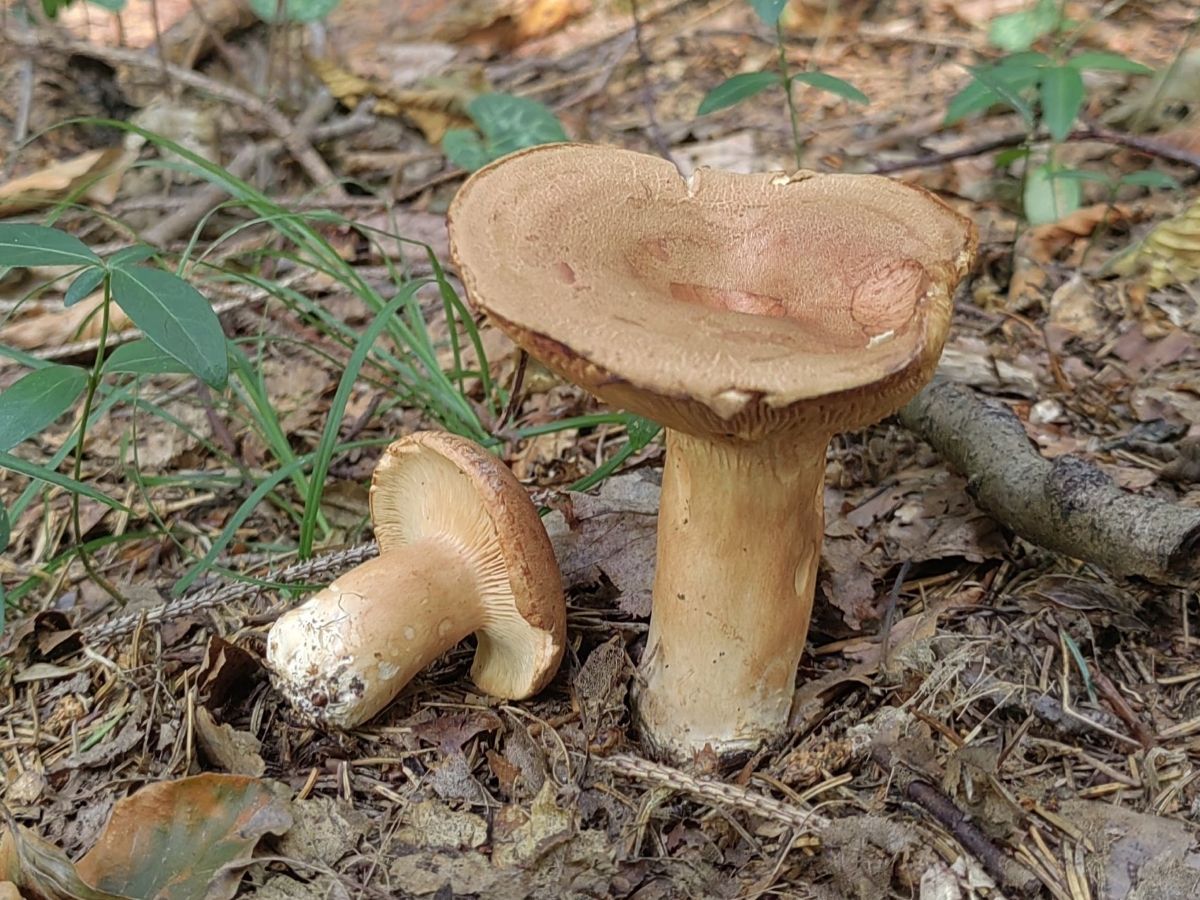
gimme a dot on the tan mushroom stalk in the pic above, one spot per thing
(462, 551)
(752, 315)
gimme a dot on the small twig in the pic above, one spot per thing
(24, 107)
(1008, 872)
(1121, 707)
(167, 229)
(299, 147)
(319, 568)
(514, 396)
(652, 126)
(1149, 146)
(719, 792)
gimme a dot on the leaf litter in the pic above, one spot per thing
(937, 636)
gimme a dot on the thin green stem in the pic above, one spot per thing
(93, 385)
(786, 78)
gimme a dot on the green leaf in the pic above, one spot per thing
(1047, 197)
(113, 6)
(130, 255)
(825, 82)
(1011, 155)
(1096, 60)
(1019, 30)
(176, 317)
(5, 537)
(769, 10)
(1006, 83)
(52, 7)
(83, 285)
(734, 90)
(293, 10)
(37, 400)
(979, 95)
(512, 123)
(1151, 179)
(143, 358)
(508, 124)
(465, 149)
(36, 245)
(1062, 98)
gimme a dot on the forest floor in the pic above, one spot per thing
(975, 716)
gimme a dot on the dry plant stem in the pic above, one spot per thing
(717, 792)
(319, 568)
(89, 397)
(1066, 505)
(739, 535)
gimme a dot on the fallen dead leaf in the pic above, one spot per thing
(175, 839)
(612, 532)
(230, 750)
(94, 176)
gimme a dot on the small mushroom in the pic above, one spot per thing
(754, 316)
(461, 551)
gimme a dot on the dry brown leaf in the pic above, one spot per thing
(185, 838)
(232, 751)
(433, 110)
(1044, 243)
(95, 175)
(192, 837)
(51, 329)
(613, 532)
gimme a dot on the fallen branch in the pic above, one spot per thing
(1146, 145)
(1066, 505)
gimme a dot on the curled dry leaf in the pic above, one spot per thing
(96, 175)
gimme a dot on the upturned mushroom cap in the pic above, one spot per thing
(462, 551)
(435, 484)
(724, 304)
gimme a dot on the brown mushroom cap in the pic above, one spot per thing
(724, 304)
(436, 484)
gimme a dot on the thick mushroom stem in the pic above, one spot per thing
(739, 537)
(346, 652)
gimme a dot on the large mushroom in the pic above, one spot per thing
(754, 316)
(461, 551)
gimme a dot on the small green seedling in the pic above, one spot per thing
(507, 124)
(182, 332)
(734, 90)
(1046, 90)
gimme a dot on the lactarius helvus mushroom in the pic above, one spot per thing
(754, 316)
(461, 551)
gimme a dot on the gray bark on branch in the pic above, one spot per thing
(1065, 505)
